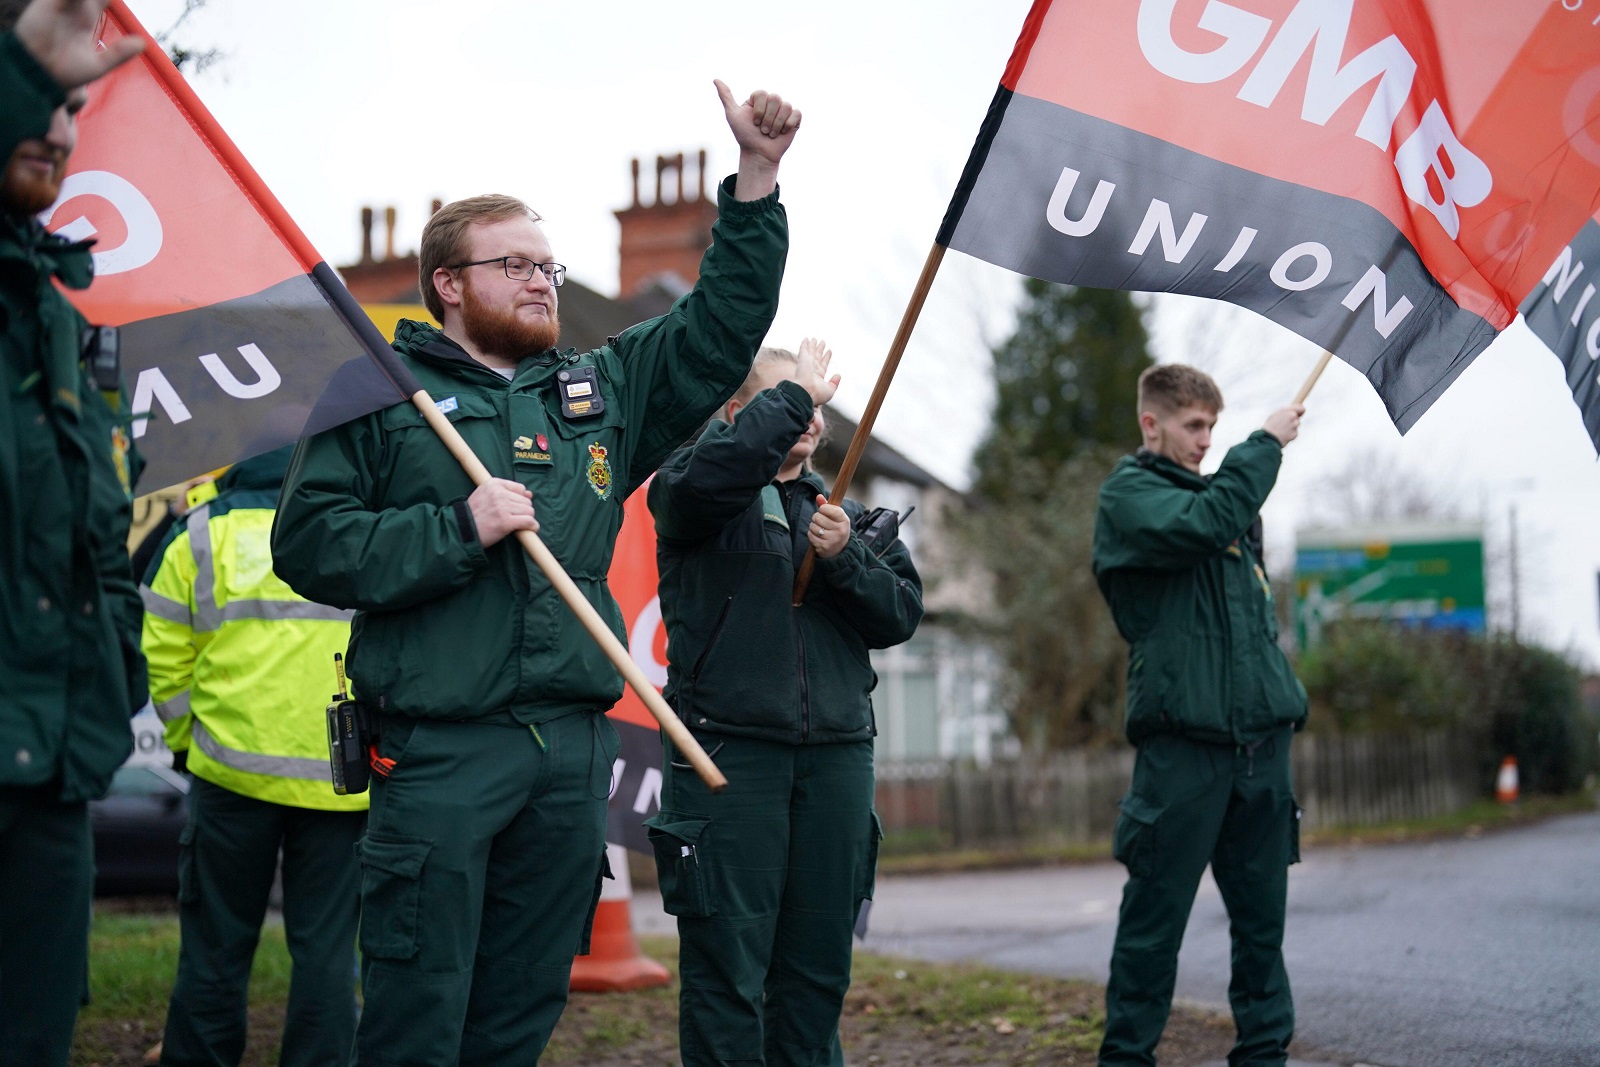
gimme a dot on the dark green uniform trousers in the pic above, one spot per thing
(46, 890)
(1191, 804)
(481, 869)
(229, 858)
(766, 879)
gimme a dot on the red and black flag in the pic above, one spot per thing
(1388, 178)
(1563, 313)
(234, 331)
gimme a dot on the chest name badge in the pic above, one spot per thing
(580, 393)
(534, 449)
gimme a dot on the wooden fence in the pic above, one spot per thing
(1071, 797)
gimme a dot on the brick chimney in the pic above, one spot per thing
(387, 279)
(664, 239)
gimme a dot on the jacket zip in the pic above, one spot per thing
(805, 690)
(796, 503)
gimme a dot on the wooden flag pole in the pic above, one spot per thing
(858, 443)
(671, 725)
(1311, 381)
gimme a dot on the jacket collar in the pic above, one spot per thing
(808, 476)
(428, 344)
(265, 471)
(1173, 472)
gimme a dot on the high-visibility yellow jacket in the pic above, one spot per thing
(241, 666)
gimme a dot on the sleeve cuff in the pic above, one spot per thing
(41, 91)
(849, 560)
(469, 532)
(730, 208)
(798, 399)
(1262, 434)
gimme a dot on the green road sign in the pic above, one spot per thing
(1424, 574)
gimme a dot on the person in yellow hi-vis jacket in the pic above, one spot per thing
(241, 669)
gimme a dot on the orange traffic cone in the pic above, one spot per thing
(1505, 783)
(614, 963)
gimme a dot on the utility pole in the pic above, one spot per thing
(1516, 590)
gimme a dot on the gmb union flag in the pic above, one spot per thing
(1391, 179)
(234, 331)
(1561, 313)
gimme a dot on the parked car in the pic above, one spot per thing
(137, 824)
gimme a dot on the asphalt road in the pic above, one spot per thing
(1471, 952)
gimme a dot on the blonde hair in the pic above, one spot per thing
(445, 233)
(752, 383)
(1170, 387)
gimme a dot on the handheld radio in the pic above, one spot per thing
(347, 739)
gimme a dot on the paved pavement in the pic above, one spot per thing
(1472, 952)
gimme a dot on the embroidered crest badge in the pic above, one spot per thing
(119, 458)
(599, 471)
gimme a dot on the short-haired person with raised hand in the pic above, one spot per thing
(485, 848)
(1212, 705)
(767, 878)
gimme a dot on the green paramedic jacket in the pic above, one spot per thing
(70, 669)
(741, 659)
(241, 666)
(1191, 598)
(373, 515)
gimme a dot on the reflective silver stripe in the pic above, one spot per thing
(174, 709)
(275, 766)
(274, 610)
(164, 607)
(206, 615)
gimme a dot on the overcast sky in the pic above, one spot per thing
(356, 102)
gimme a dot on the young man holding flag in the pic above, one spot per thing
(70, 669)
(486, 843)
(1212, 704)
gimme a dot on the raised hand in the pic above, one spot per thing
(764, 126)
(1284, 424)
(811, 371)
(60, 35)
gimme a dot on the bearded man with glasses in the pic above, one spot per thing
(485, 850)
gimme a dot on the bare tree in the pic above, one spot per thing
(191, 61)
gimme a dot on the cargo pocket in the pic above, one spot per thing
(869, 871)
(677, 840)
(1134, 844)
(1296, 812)
(391, 890)
(188, 883)
(594, 905)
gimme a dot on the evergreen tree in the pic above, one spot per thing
(1065, 410)
(1065, 383)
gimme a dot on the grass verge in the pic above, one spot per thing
(899, 1013)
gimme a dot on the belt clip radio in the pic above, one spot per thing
(349, 735)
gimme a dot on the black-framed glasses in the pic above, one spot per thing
(521, 268)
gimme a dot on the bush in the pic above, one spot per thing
(1537, 714)
(1513, 699)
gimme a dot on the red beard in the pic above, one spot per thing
(23, 190)
(499, 332)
